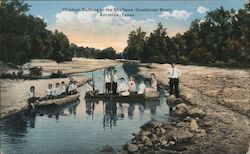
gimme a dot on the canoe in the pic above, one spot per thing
(58, 101)
(133, 96)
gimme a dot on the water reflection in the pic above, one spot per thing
(113, 110)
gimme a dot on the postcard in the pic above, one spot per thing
(124, 76)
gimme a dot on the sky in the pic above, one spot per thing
(101, 24)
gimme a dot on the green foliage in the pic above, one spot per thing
(201, 56)
(35, 71)
(222, 39)
(108, 53)
(135, 46)
(25, 37)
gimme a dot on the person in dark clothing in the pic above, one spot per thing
(174, 75)
(114, 83)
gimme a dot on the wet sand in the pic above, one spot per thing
(223, 94)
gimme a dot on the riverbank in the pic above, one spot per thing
(78, 65)
(220, 100)
(14, 92)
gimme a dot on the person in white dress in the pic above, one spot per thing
(141, 87)
(123, 88)
(131, 84)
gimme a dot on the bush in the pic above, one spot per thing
(35, 71)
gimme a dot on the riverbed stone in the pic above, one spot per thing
(132, 147)
(149, 143)
(144, 139)
(171, 98)
(146, 133)
(179, 135)
(193, 125)
(196, 112)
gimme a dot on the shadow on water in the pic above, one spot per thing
(83, 126)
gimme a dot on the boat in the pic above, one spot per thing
(57, 101)
(154, 96)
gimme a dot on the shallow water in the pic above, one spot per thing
(83, 126)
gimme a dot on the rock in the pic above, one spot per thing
(171, 142)
(154, 137)
(146, 133)
(182, 105)
(144, 139)
(171, 98)
(163, 131)
(196, 112)
(179, 135)
(132, 147)
(149, 143)
(188, 95)
(201, 132)
(107, 148)
(193, 125)
(164, 142)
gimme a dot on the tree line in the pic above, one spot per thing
(24, 37)
(222, 39)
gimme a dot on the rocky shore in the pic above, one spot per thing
(206, 121)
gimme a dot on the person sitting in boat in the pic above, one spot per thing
(32, 97)
(153, 84)
(57, 90)
(131, 84)
(107, 78)
(141, 87)
(123, 88)
(49, 91)
(90, 90)
(63, 88)
(73, 88)
(115, 81)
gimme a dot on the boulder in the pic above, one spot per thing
(132, 147)
(171, 98)
(145, 133)
(196, 112)
(149, 143)
(193, 125)
(171, 142)
(144, 139)
(179, 135)
(181, 106)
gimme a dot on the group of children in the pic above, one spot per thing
(54, 92)
(123, 88)
(61, 89)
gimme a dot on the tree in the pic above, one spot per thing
(108, 53)
(155, 48)
(136, 41)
